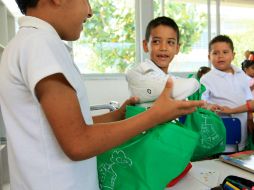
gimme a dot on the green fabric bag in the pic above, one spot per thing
(250, 145)
(148, 161)
(197, 95)
(212, 132)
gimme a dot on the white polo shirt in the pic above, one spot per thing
(36, 160)
(227, 89)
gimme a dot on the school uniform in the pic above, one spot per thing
(36, 160)
(232, 90)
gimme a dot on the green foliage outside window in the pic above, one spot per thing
(190, 22)
(242, 42)
(110, 33)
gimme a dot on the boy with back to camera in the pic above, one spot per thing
(148, 78)
(52, 137)
(226, 85)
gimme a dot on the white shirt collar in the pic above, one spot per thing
(29, 21)
(223, 74)
(149, 65)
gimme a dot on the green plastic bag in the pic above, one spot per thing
(212, 132)
(148, 161)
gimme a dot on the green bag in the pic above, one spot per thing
(197, 95)
(150, 160)
(212, 132)
(250, 145)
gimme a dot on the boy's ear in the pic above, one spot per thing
(178, 48)
(233, 55)
(145, 46)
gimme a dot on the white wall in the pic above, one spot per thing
(106, 89)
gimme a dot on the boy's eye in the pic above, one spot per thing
(155, 41)
(171, 42)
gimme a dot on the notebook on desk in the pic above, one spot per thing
(244, 160)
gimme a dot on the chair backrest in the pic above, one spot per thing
(111, 106)
(182, 119)
(233, 130)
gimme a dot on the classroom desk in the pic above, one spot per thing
(209, 173)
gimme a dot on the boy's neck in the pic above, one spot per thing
(229, 70)
(164, 69)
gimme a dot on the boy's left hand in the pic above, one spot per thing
(131, 101)
(225, 110)
(213, 107)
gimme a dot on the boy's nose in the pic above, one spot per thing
(221, 55)
(163, 46)
(89, 11)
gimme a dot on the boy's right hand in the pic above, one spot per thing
(167, 109)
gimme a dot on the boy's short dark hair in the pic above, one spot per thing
(221, 38)
(166, 21)
(202, 70)
(246, 64)
(24, 4)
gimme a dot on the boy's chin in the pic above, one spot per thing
(73, 37)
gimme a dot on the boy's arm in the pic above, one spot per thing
(81, 141)
(240, 109)
(248, 107)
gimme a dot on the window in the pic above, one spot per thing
(112, 38)
(192, 19)
(107, 44)
(237, 20)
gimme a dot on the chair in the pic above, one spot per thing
(182, 119)
(233, 131)
(111, 106)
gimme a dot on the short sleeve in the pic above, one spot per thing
(39, 59)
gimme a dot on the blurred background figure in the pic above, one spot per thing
(248, 68)
(202, 70)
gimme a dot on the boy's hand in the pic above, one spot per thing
(166, 108)
(131, 101)
(225, 110)
(213, 107)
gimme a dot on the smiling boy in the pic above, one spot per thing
(147, 79)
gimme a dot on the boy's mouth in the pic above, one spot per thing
(162, 56)
(221, 62)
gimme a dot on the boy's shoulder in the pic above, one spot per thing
(208, 76)
(145, 71)
(143, 67)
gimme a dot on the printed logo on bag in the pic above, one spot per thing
(149, 91)
(108, 176)
(209, 135)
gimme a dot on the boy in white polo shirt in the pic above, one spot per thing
(148, 78)
(52, 137)
(226, 85)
